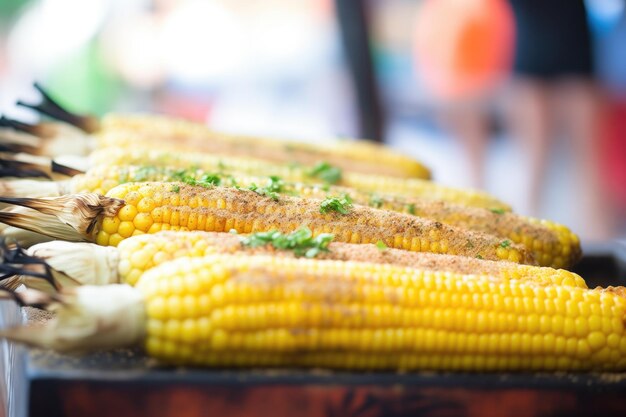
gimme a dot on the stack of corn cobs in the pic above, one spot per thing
(225, 251)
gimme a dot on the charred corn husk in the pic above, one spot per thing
(225, 311)
(71, 264)
(137, 208)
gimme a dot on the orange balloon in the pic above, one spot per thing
(463, 48)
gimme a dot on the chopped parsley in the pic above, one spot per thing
(180, 174)
(301, 242)
(271, 190)
(497, 210)
(339, 204)
(505, 243)
(410, 208)
(175, 188)
(123, 175)
(479, 257)
(381, 245)
(232, 181)
(325, 172)
(145, 173)
(207, 180)
(376, 201)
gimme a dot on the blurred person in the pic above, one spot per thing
(553, 91)
(463, 53)
(608, 18)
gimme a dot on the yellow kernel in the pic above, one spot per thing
(138, 259)
(582, 328)
(558, 323)
(559, 345)
(156, 308)
(143, 222)
(515, 256)
(102, 238)
(613, 341)
(595, 323)
(155, 228)
(189, 306)
(188, 330)
(174, 307)
(133, 276)
(583, 349)
(154, 327)
(127, 213)
(145, 205)
(132, 198)
(115, 239)
(571, 346)
(219, 340)
(596, 340)
(153, 346)
(124, 267)
(172, 329)
(204, 328)
(569, 327)
(110, 225)
(126, 229)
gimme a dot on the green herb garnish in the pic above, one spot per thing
(123, 175)
(175, 188)
(411, 208)
(301, 242)
(271, 190)
(326, 172)
(376, 201)
(497, 210)
(479, 257)
(145, 173)
(207, 180)
(339, 204)
(381, 245)
(505, 243)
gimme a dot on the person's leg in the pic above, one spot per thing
(579, 105)
(469, 124)
(530, 118)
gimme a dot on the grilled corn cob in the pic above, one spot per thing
(71, 264)
(225, 311)
(296, 173)
(162, 131)
(137, 208)
(551, 244)
(169, 134)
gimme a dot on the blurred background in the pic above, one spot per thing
(525, 100)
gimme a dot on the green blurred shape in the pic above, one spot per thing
(9, 8)
(83, 83)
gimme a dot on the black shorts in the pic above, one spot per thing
(552, 39)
